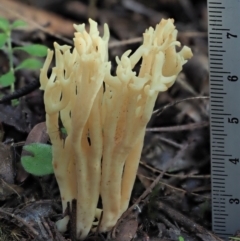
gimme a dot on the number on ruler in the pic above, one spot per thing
(234, 200)
(233, 120)
(234, 160)
(229, 35)
(232, 78)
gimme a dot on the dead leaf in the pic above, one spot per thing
(127, 229)
(6, 164)
(6, 190)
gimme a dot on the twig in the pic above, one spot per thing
(187, 223)
(170, 142)
(26, 224)
(159, 111)
(151, 187)
(175, 175)
(187, 127)
(175, 188)
(187, 34)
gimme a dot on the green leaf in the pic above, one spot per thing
(180, 238)
(30, 64)
(63, 131)
(4, 24)
(40, 161)
(7, 79)
(34, 50)
(15, 102)
(3, 39)
(18, 23)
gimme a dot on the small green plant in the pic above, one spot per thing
(180, 238)
(34, 50)
(234, 238)
(39, 162)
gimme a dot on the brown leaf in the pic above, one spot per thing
(51, 22)
(7, 190)
(127, 229)
(6, 164)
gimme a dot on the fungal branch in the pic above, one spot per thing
(105, 127)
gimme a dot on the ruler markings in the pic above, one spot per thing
(217, 50)
(215, 11)
(215, 24)
(216, 42)
(215, 38)
(216, 16)
(221, 114)
(223, 155)
(223, 175)
(218, 53)
(222, 29)
(215, 45)
(217, 117)
(216, 34)
(221, 214)
(215, 59)
(222, 72)
(218, 93)
(216, 67)
(224, 52)
(217, 7)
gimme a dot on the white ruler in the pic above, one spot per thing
(224, 58)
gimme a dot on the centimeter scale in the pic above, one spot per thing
(224, 60)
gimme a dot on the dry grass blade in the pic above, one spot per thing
(159, 111)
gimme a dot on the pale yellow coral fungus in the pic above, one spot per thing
(105, 117)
